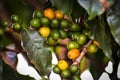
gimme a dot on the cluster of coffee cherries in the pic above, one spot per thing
(57, 28)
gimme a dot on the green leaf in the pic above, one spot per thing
(118, 53)
(99, 33)
(65, 6)
(10, 74)
(93, 7)
(98, 64)
(38, 52)
(4, 41)
(77, 10)
(70, 7)
(21, 8)
(113, 18)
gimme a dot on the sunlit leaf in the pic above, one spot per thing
(113, 18)
(38, 52)
(93, 7)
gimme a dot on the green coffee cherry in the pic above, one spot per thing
(4, 23)
(15, 18)
(35, 23)
(17, 27)
(37, 14)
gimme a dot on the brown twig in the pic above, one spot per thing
(12, 50)
(105, 4)
(83, 52)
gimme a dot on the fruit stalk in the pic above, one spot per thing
(83, 52)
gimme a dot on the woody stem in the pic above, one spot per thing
(83, 52)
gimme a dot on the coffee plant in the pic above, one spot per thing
(83, 34)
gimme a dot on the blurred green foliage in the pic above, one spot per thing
(19, 7)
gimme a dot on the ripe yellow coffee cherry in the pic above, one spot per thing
(62, 64)
(44, 31)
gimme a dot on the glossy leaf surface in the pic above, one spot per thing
(38, 52)
(63, 5)
(93, 7)
(113, 18)
(99, 33)
(98, 63)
